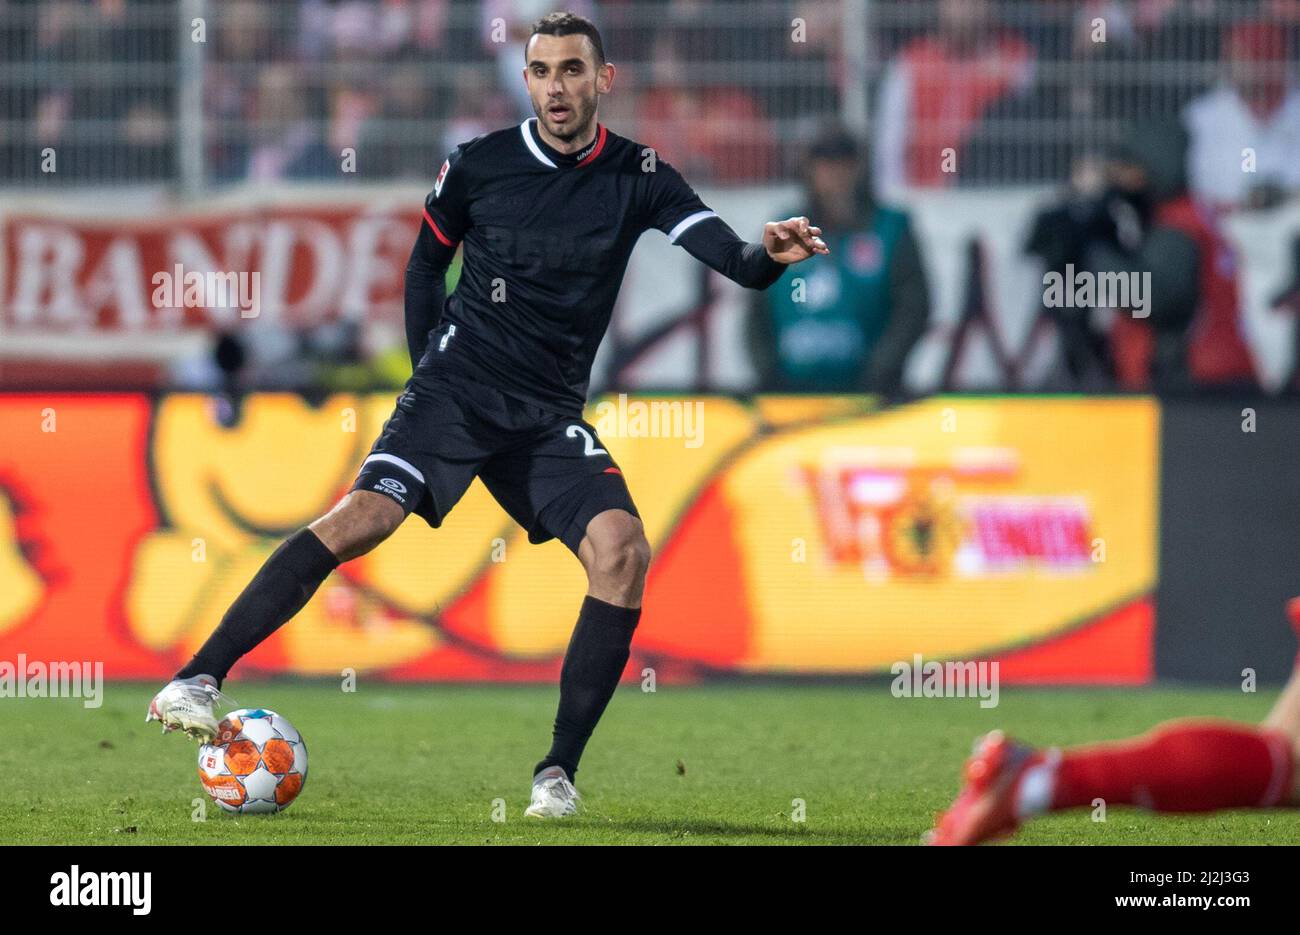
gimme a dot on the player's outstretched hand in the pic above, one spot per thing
(792, 240)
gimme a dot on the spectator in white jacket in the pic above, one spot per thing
(1245, 134)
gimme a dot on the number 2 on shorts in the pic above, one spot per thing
(588, 443)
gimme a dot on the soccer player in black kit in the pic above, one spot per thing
(547, 213)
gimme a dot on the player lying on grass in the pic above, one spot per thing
(1192, 765)
(548, 213)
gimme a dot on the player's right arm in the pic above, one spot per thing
(673, 207)
(442, 225)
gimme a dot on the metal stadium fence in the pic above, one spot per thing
(198, 93)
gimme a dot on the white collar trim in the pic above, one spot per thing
(532, 144)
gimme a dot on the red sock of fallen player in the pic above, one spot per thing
(1181, 766)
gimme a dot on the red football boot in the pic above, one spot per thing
(985, 808)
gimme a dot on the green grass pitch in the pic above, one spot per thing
(715, 764)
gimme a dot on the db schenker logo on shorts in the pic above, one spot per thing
(393, 486)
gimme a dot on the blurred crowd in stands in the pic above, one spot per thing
(287, 85)
(1149, 170)
(1016, 88)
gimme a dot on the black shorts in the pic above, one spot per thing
(548, 471)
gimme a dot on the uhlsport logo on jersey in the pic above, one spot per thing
(899, 520)
(79, 887)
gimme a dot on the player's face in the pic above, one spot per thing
(565, 83)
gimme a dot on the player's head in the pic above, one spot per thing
(566, 72)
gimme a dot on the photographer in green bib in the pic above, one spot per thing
(843, 323)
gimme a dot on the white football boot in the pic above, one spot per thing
(553, 795)
(187, 704)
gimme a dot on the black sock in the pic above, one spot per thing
(280, 589)
(593, 665)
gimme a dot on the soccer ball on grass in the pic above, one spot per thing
(257, 763)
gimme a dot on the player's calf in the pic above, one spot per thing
(615, 554)
(1193, 765)
(358, 523)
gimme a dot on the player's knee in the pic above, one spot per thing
(620, 550)
(359, 522)
(624, 561)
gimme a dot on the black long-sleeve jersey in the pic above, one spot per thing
(547, 237)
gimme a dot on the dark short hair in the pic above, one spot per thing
(568, 24)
